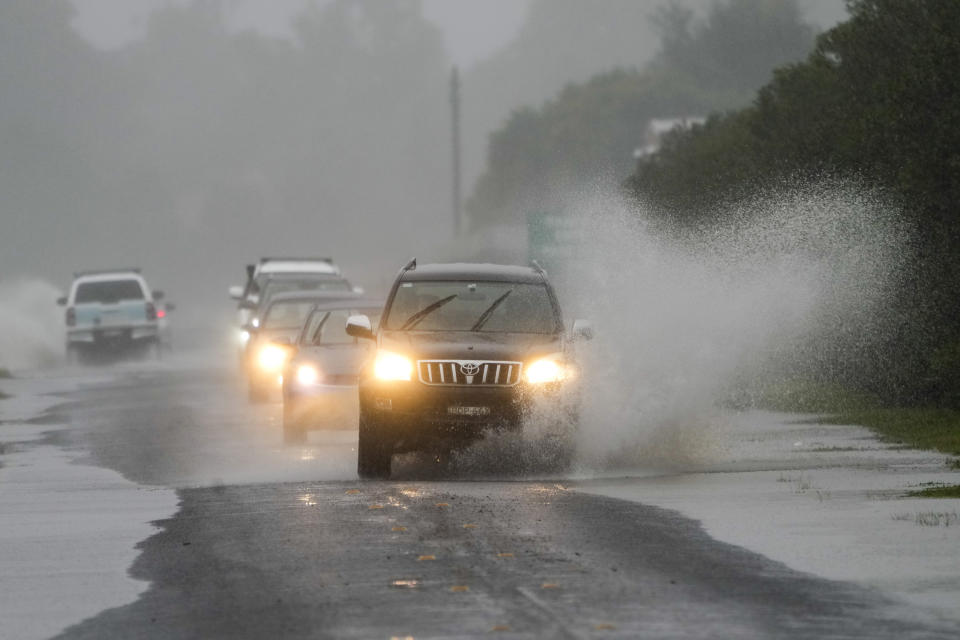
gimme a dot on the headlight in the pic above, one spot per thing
(545, 370)
(255, 322)
(392, 366)
(244, 336)
(271, 357)
(307, 374)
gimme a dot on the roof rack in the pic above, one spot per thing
(295, 259)
(94, 272)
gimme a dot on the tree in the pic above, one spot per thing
(590, 130)
(879, 100)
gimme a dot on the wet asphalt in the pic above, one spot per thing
(274, 542)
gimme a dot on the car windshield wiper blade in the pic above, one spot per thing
(415, 319)
(482, 320)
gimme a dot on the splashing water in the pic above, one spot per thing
(31, 325)
(680, 315)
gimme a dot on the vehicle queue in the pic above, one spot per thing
(453, 352)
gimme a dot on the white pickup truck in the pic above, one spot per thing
(111, 311)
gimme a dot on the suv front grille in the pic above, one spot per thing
(469, 373)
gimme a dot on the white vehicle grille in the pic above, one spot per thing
(469, 373)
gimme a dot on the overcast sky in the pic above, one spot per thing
(473, 29)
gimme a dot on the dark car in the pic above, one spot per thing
(278, 275)
(461, 349)
(320, 378)
(268, 347)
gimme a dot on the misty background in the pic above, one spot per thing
(189, 138)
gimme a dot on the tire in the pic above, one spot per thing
(294, 430)
(374, 456)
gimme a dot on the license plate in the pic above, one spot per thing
(107, 319)
(468, 411)
(112, 333)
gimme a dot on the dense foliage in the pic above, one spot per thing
(879, 100)
(590, 130)
(560, 42)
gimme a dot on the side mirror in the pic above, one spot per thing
(62, 301)
(358, 326)
(582, 330)
(170, 306)
(157, 295)
(236, 292)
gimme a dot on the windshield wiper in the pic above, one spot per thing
(482, 320)
(415, 319)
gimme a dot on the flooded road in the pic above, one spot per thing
(277, 541)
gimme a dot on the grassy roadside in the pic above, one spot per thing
(929, 428)
(917, 427)
(4, 374)
(944, 491)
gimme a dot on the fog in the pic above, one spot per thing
(189, 138)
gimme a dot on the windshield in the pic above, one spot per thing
(274, 286)
(287, 314)
(488, 307)
(329, 327)
(109, 291)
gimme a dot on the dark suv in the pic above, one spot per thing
(461, 349)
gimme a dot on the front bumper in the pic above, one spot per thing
(265, 380)
(415, 416)
(321, 406)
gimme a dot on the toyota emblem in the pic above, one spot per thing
(469, 368)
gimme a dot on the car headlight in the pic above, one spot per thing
(255, 322)
(244, 336)
(546, 370)
(307, 374)
(392, 366)
(271, 357)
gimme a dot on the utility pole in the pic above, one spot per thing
(455, 125)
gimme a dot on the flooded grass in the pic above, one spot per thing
(4, 375)
(929, 428)
(937, 519)
(929, 518)
(920, 428)
(940, 491)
